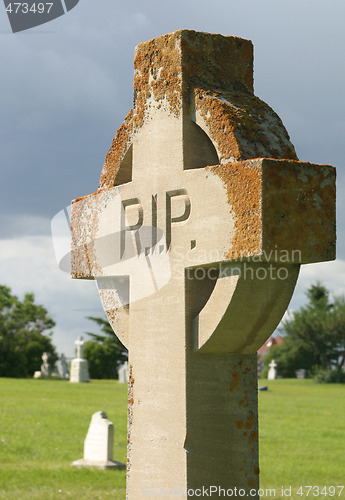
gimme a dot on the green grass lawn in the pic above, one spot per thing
(302, 436)
(43, 424)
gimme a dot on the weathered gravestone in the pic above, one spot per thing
(301, 374)
(98, 444)
(123, 373)
(63, 368)
(205, 163)
(272, 372)
(45, 368)
(79, 366)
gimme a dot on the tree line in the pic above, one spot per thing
(314, 339)
(26, 332)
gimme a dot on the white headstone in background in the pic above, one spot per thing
(79, 366)
(301, 374)
(98, 445)
(45, 369)
(63, 368)
(123, 373)
(272, 372)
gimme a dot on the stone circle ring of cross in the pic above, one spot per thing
(196, 234)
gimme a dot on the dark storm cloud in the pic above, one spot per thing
(65, 93)
(66, 87)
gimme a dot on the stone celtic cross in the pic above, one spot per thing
(80, 347)
(195, 237)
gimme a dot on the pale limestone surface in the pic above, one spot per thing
(79, 366)
(272, 372)
(98, 444)
(196, 264)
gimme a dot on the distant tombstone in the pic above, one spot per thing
(37, 374)
(63, 368)
(79, 366)
(123, 372)
(272, 372)
(301, 373)
(45, 369)
(98, 445)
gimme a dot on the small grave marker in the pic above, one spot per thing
(63, 368)
(45, 368)
(272, 372)
(98, 444)
(123, 372)
(79, 366)
(301, 374)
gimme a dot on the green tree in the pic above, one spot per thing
(24, 335)
(314, 338)
(105, 353)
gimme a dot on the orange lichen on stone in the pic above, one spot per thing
(242, 181)
(242, 126)
(239, 424)
(80, 253)
(117, 151)
(235, 381)
(299, 203)
(157, 67)
(281, 208)
(130, 417)
(250, 422)
(214, 61)
(87, 258)
(256, 471)
(253, 437)
(251, 483)
(85, 212)
(170, 66)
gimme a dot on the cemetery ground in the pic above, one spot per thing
(43, 424)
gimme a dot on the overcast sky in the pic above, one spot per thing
(66, 86)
